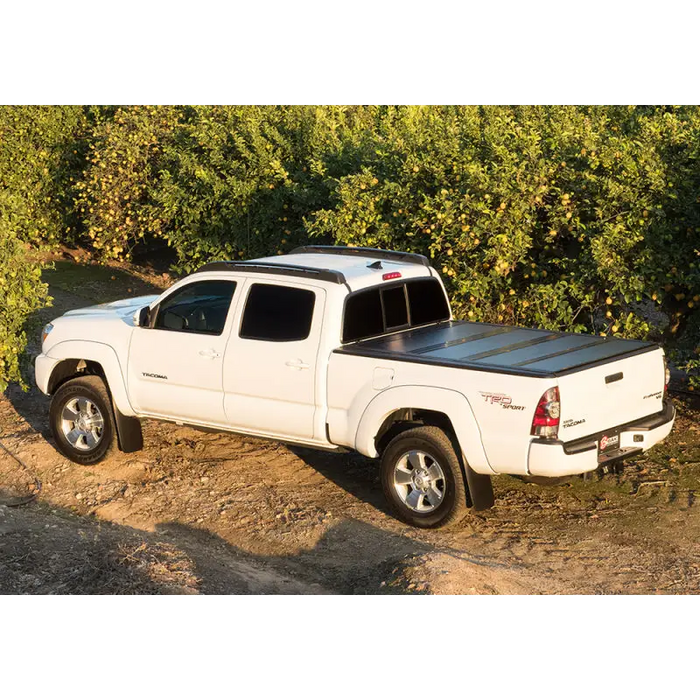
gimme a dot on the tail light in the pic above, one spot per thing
(546, 420)
(667, 376)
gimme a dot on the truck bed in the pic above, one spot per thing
(494, 348)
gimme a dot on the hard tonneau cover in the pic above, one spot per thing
(493, 348)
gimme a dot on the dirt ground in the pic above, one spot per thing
(198, 512)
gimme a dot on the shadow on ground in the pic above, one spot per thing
(51, 550)
(355, 474)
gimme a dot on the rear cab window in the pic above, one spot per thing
(392, 307)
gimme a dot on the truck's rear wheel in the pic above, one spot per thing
(422, 478)
(81, 420)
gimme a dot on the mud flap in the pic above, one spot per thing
(480, 489)
(129, 433)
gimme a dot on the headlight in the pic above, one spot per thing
(45, 332)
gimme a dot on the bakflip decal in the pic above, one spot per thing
(606, 441)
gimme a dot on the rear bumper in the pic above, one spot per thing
(555, 458)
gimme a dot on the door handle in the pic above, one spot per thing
(209, 354)
(297, 364)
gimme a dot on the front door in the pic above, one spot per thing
(175, 366)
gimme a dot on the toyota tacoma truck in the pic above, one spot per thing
(353, 348)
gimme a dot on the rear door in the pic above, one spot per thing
(271, 362)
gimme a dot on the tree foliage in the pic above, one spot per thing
(573, 218)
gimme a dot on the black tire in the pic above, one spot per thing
(436, 445)
(93, 390)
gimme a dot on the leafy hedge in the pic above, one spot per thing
(577, 218)
(21, 293)
(561, 217)
(41, 157)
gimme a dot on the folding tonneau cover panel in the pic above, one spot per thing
(493, 348)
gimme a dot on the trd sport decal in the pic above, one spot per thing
(503, 400)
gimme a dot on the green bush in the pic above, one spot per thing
(41, 156)
(575, 218)
(238, 182)
(122, 162)
(21, 293)
(557, 217)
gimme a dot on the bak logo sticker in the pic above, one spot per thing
(606, 441)
(503, 400)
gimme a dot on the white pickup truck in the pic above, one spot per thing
(338, 348)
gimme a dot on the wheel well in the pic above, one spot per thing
(68, 369)
(406, 418)
(128, 428)
(479, 492)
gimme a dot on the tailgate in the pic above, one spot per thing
(611, 394)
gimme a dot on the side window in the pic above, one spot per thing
(277, 313)
(200, 307)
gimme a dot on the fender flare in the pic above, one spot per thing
(452, 403)
(106, 357)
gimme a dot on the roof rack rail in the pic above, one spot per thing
(274, 269)
(393, 255)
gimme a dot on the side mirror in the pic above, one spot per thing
(144, 317)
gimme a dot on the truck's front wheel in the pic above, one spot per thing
(81, 420)
(422, 478)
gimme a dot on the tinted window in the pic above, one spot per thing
(395, 310)
(427, 302)
(277, 313)
(200, 307)
(365, 318)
